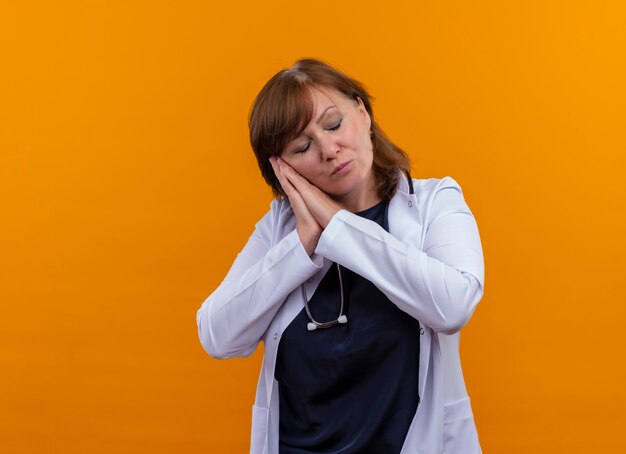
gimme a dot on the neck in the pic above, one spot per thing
(358, 202)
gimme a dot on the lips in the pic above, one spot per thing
(340, 167)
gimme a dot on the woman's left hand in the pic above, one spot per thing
(321, 206)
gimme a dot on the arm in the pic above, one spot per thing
(232, 320)
(439, 285)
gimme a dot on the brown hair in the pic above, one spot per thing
(284, 107)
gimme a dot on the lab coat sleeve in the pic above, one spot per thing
(439, 285)
(232, 320)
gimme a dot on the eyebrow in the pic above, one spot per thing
(324, 113)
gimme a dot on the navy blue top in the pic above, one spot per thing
(351, 388)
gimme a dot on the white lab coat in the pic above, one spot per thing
(430, 264)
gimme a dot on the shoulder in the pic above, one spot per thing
(430, 186)
(436, 196)
(279, 209)
(277, 220)
(425, 186)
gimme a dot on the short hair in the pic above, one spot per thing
(284, 107)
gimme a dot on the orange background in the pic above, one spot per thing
(128, 186)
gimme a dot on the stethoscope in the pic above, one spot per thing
(342, 319)
(314, 324)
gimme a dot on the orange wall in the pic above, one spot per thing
(128, 186)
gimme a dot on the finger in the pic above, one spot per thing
(279, 174)
(298, 204)
(319, 204)
(275, 166)
(290, 191)
(300, 183)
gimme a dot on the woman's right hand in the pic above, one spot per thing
(309, 230)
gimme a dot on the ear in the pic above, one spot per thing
(363, 111)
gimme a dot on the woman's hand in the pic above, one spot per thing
(319, 204)
(309, 229)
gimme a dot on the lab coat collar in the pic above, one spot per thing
(405, 183)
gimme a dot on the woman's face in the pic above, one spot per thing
(334, 152)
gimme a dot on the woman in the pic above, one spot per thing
(357, 281)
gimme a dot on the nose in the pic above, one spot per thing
(329, 147)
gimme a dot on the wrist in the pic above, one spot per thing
(309, 240)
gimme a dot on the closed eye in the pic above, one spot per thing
(306, 147)
(334, 128)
